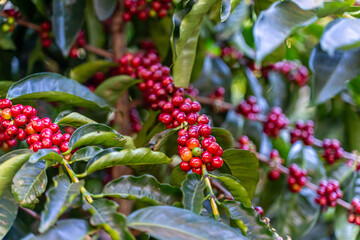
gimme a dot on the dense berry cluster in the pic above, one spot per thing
(303, 131)
(8, 24)
(297, 178)
(332, 150)
(354, 214)
(274, 173)
(197, 147)
(18, 122)
(218, 94)
(135, 120)
(231, 55)
(144, 9)
(79, 43)
(249, 108)
(46, 40)
(292, 71)
(328, 192)
(275, 122)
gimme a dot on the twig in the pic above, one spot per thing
(212, 195)
(31, 213)
(99, 51)
(22, 22)
(221, 189)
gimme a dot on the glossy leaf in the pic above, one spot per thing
(73, 119)
(96, 134)
(58, 199)
(331, 72)
(275, 24)
(223, 137)
(237, 190)
(10, 165)
(160, 32)
(4, 87)
(160, 139)
(75, 229)
(225, 10)
(85, 154)
(30, 183)
(177, 176)
(256, 229)
(85, 71)
(344, 229)
(165, 222)
(116, 156)
(66, 21)
(54, 87)
(193, 190)
(297, 213)
(46, 154)
(330, 8)
(104, 9)
(185, 46)
(8, 212)
(244, 166)
(104, 214)
(112, 88)
(144, 188)
(347, 28)
(95, 31)
(309, 4)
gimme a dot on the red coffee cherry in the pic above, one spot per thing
(332, 150)
(328, 192)
(276, 121)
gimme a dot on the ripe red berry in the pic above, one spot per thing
(213, 148)
(195, 162)
(217, 162)
(56, 149)
(205, 130)
(5, 103)
(260, 210)
(46, 133)
(30, 130)
(46, 121)
(46, 26)
(185, 166)
(203, 119)
(192, 143)
(37, 125)
(12, 130)
(21, 134)
(54, 128)
(64, 146)
(182, 140)
(274, 175)
(34, 138)
(20, 120)
(16, 110)
(46, 143)
(197, 170)
(66, 137)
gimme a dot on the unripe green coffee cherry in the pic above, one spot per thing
(197, 152)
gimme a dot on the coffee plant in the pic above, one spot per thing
(179, 119)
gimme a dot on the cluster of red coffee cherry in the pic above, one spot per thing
(231, 55)
(144, 9)
(218, 94)
(274, 173)
(244, 143)
(8, 24)
(332, 150)
(79, 43)
(45, 36)
(328, 192)
(292, 71)
(21, 123)
(275, 122)
(197, 147)
(249, 108)
(303, 131)
(297, 178)
(354, 214)
(135, 120)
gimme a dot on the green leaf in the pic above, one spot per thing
(104, 9)
(225, 10)
(73, 119)
(344, 229)
(330, 73)
(244, 166)
(94, 29)
(83, 72)
(67, 20)
(330, 8)
(237, 190)
(8, 212)
(10, 165)
(223, 137)
(193, 191)
(40, 6)
(256, 229)
(104, 214)
(29, 183)
(85, 154)
(46, 154)
(297, 213)
(160, 139)
(353, 87)
(177, 176)
(165, 222)
(160, 32)
(74, 229)
(4, 87)
(55, 88)
(309, 4)
(144, 188)
(275, 24)
(116, 156)
(96, 134)
(58, 199)
(347, 28)
(184, 48)
(112, 88)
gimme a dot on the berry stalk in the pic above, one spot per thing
(214, 207)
